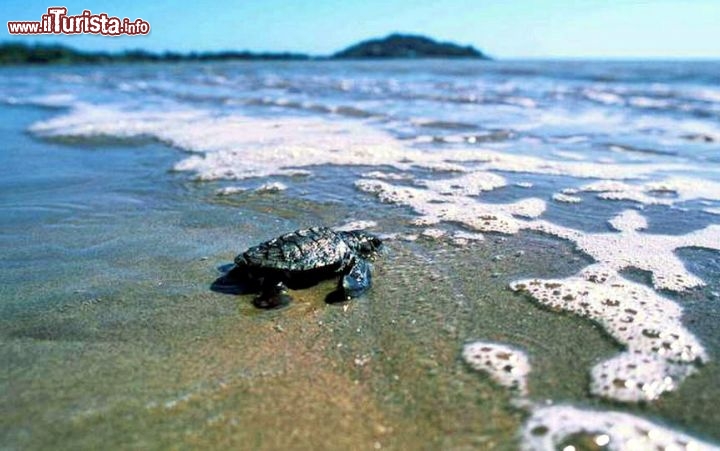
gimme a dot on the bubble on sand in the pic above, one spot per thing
(549, 427)
(647, 324)
(507, 366)
(435, 207)
(637, 377)
(630, 248)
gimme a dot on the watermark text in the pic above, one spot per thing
(56, 21)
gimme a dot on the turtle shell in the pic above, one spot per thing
(302, 250)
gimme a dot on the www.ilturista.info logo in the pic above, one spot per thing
(56, 21)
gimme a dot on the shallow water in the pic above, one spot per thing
(112, 231)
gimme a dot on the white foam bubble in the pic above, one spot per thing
(498, 161)
(634, 377)
(271, 187)
(57, 100)
(707, 94)
(646, 323)
(615, 190)
(356, 225)
(409, 237)
(666, 192)
(435, 207)
(566, 198)
(386, 175)
(524, 102)
(548, 427)
(506, 365)
(608, 98)
(648, 102)
(630, 248)
(470, 184)
(628, 221)
(573, 156)
(468, 236)
(433, 233)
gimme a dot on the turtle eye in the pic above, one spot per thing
(370, 245)
(365, 248)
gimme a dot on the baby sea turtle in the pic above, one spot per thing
(302, 258)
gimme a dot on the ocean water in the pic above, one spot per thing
(551, 279)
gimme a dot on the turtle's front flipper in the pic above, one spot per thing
(274, 294)
(357, 279)
(235, 280)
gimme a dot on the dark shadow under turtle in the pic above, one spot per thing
(299, 260)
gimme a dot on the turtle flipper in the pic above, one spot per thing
(235, 280)
(274, 294)
(358, 278)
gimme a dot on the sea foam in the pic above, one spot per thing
(629, 247)
(660, 351)
(435, 207)
(232, 146)
(549, 427)
(506, 365)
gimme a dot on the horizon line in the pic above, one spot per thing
(315, 56)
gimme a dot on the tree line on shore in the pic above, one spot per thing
(392, 46)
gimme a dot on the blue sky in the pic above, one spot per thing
(502, 28)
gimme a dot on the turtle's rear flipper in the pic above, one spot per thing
(273, 295)
(358, 278)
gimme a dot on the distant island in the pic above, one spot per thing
(398, 46)
(407, 46)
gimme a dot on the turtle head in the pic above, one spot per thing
(364, 243)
